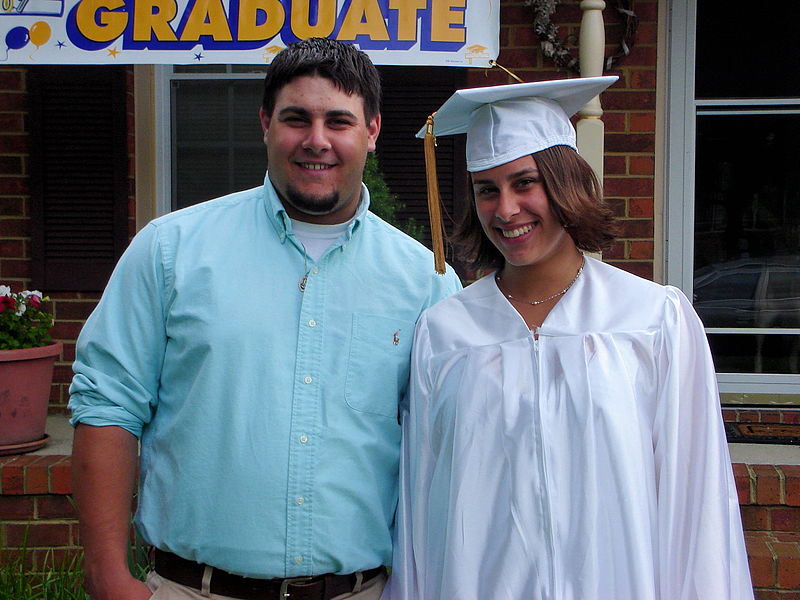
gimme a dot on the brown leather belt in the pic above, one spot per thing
(320, 587)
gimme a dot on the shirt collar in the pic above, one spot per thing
(283, 224)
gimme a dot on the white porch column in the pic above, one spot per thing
(592, 41)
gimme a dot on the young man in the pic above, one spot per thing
(257, 346)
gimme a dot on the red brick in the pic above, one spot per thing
(786, 519)
(788, 565)
(640, 208)
(768, 485)
(636, 229)
(744, 483)
(642, 269)
(37, 534)
(15, 269)
(755, 518)
(640, 250)
(61, 477)
(36, 479)
(642, 165)
(12, 248)
(78, 310)
(629, 186)
(16, 507)
(11, 123)
(515, 14)
(624, 100)
(14, 228)
(629, 142)
(523, 36)
(762, 562)
(791, 417)
(52, 506)
(770, 416)
(791, 474)
(617, 206)
(616, 250)
(13, 186)
(614, 122)
(66, 330)
(786, 536)
(12, 144)
(749, 416)
(11, 80)
(646, 33)
(614, 165)
(643, 122)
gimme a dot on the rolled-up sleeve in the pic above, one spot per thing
(120, 350)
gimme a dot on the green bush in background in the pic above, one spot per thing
(384, 203)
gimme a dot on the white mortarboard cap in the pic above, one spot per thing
(506, 122)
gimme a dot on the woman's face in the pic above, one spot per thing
(515, 213)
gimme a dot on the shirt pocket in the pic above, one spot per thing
(378, 363)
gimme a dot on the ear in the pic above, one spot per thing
(265, 121)
(373, 129)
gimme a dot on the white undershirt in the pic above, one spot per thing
(316, 239)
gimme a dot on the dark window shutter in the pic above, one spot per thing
(410, 94)
(79, 175)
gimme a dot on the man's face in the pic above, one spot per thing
(317, 141)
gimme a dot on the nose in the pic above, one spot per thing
(507, 206)
(316, 140)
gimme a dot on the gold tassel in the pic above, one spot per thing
(434, 202)
(496, 64)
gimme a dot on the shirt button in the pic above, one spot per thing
(300, 501)
(315, 270)
(303, 438)
(298, 560)
(312, 323)
(308, 379)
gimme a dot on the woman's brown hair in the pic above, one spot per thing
(575, 197)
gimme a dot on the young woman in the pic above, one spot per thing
(564, 440)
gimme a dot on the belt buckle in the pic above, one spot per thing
(284, 593)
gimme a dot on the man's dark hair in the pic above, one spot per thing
(350, 70)
(575, 197)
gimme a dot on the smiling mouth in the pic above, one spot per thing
(315, 166)
(515, 233)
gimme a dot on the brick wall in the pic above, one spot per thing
(35, 501)
(69, 309)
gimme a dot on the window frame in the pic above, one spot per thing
(682, 109)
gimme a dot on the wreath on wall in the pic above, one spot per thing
(554, 48)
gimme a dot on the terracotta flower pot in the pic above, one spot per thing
(25, 379)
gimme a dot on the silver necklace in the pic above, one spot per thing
(543, 300)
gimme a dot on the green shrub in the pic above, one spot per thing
(384, 203)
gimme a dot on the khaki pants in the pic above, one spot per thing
(164, 589)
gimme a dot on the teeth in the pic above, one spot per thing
(314, 166)
(516, 232)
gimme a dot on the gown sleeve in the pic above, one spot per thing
(406, 581)
(701, 551)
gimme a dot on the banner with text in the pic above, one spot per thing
(392, 32)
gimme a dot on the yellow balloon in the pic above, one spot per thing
(39, 33)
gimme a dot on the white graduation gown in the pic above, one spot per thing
(590, 464)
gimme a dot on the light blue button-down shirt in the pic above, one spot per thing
(267, 415)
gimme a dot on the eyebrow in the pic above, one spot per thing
(510, 176)
(299, 110)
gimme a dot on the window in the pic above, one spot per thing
(733, 205)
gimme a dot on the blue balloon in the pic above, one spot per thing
(17, 37)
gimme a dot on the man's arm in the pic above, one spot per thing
(104, 461)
